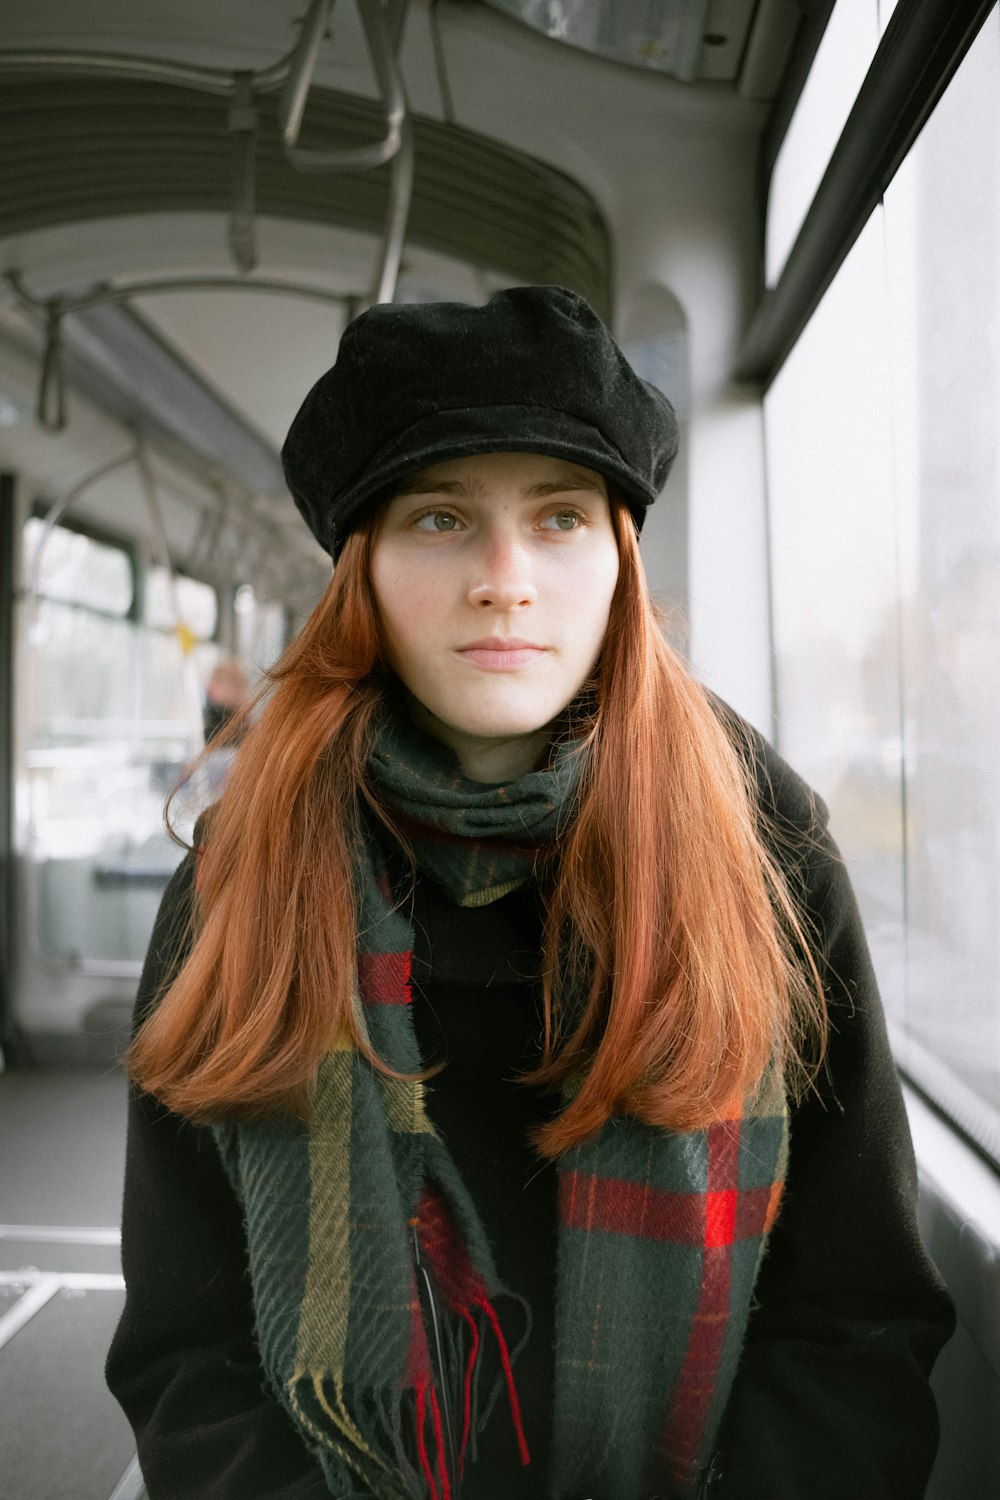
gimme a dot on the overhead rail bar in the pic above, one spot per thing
(242, 125)
(87, 150)
(126, 66)
(390, 82)
(293, 74)
(131, 1485)
(136, 69)
(211, 557)
(50, 400)
(922, 47)
(125, 290)
(158, 528)
(396, 145)
(50, 404)
(300, 73)
(397, 216)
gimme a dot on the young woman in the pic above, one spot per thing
(514, 1115)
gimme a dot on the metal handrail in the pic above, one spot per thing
(390, 82)
(121, 65)
(300, 74)
(294, 75)
(131, 1485)
(129, 67)
(50, 403)
(242, 126)
(123, 291)
(397, 216)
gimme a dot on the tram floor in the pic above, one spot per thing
(62, 1436)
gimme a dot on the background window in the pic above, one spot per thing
(112, 714)
(884, 493)
(76, 569)
(261, 628)
(195, 604)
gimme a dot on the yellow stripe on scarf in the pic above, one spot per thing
(404, 1106)
(492, 893)
(322, 1334)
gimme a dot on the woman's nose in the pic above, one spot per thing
(504, 577)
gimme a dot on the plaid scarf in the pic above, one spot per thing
(349, 1220)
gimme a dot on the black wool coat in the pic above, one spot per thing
(831, 1399)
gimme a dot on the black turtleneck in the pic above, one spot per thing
(477, 1011)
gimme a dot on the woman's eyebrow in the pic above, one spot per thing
(567, 486)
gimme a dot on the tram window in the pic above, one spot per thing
(845, 53)
(112, 715)
(196, 603)
(884, 493)
(76, 569)
(838, 70)
(261, 627)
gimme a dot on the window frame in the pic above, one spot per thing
(923, 45)
(920, 51)
(40, 511)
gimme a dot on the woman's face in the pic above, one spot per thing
(493, 578)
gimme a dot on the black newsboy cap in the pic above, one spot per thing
(534, 370)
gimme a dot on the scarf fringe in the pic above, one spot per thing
(389, 1474)
(467, 1391)
(515, 1405)
(382, 1473)
(463, 1290)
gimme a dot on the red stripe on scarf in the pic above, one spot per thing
(696, 1388)
(688, 1417)
(384, 978)
(589, 1202)
(456, 1277)
(718, 1217)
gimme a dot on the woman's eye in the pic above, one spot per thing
(437, 520)
(563, 520)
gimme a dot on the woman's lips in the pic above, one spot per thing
(500, 655)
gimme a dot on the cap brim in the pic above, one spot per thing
(464, 431)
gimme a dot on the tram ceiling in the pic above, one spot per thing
(77, 148)
(98, 138)
(95, 133)
(83, 147)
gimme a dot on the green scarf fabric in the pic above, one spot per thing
(660, 1232)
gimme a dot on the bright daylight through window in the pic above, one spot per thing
(884, 493)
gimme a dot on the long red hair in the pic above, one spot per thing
(668, 905)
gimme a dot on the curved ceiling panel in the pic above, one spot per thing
(74, 149)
